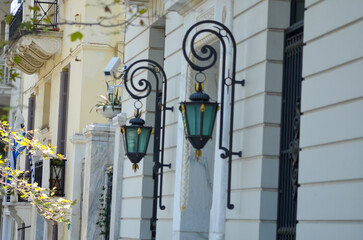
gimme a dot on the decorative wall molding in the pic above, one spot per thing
(30, 52)
(136, 2)
(181, 6)
(207, 15)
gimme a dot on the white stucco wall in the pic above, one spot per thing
(258, 28)
(329, 200)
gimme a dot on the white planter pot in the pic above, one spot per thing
(108, 112)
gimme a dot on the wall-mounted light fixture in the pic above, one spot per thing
(137, 136)
(199, 114)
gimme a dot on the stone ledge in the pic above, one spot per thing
(181, 6)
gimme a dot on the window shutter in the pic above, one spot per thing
(30, 125)
(63, 113)
(31, 113)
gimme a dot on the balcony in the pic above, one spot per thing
(30, 47)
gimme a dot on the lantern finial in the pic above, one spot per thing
(198, 153)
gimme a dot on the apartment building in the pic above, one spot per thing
(296, 121)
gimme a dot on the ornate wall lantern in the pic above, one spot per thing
(136, 139)
(137, 136)
(199, 114)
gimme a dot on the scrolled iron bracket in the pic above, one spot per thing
(140, 88)
(208, 55)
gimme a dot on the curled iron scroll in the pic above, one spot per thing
(142, 86)
(207, 52)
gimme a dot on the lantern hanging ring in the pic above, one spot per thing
(138, 104)
(156, 69)
(228, 81)
(200, 77)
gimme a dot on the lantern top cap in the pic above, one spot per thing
(137, 121)
(199, 96)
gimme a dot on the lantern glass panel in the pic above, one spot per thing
(132, 139)
(125, 141)
(209, 115)
(144, 139)
(193, 118)
(185, 124)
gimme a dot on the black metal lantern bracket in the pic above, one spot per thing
(139, 89)
(229, 81)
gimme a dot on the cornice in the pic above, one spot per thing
(181, 6)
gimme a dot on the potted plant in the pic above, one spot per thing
(109, 106)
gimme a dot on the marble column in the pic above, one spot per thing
(14, 214)
(99, 156)
(48, 229)
(118, 168)
(75, 171)
(5, 224)
(39, 225)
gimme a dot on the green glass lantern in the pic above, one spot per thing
(136, 139)
(198, 117)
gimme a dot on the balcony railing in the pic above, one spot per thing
(14, 26)
(45, 16)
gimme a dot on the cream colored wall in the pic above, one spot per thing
(86, 76)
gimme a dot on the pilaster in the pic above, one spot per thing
(118, 168)
(98, 157)
(76, 175)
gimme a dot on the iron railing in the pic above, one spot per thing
(46, 14)
(14, 25)
(290, 126)
(57, 176)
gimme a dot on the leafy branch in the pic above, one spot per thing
(14, 180)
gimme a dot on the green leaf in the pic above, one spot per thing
(35, 8)
(74, 202)
(9, 18)
(116, 1)
(76, 35)
(16, 59)
(3, 43)
(142, 10)
(28, 25)
(47, 20)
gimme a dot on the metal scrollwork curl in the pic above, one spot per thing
(142, 85)
(207, 51)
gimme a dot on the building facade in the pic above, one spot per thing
(296, 121)
(60, 84)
